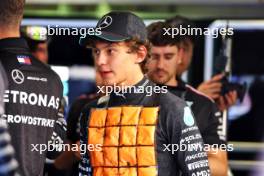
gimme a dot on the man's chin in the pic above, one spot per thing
(159, 80)
(109, 82)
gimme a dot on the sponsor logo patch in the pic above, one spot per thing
(25, 60)
(188, 117)
(17, 76)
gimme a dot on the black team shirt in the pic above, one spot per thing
(32, 101)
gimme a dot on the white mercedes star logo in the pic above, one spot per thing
(105, 22)
(17, 76)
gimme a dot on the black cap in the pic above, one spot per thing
(117, 27)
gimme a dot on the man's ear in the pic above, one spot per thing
(141, 54)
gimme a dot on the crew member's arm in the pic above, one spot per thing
(68, 158)
(215, 136)
(217, 162)
(58, 138)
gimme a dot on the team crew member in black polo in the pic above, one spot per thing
(162, 68)
(212, 87)
(33, 96)
(37, 40)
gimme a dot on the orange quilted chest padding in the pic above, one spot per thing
(127, 156)
(98, 171)
(96, 135)
(128, 171)
(145, 171)
(130, 115)
(113, 116)
(128, 135)
(100, 115)
(110, 156)
(147, 156)
(146, 135)
(110, 172)
(148, 116)
(97, 158)
(111, 136)
(127, 138)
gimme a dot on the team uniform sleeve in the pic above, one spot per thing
(191, 156)
(215, 133)
(58, 138)
(73, 133)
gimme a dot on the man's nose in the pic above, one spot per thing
(101, 59)
(160, 63)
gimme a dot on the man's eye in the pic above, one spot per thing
(153, 57)
(96, 51)
(110, 51)
(168, 57)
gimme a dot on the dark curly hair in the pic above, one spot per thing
(156, 35)
(178, 21)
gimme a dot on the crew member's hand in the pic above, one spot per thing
(212, 87)
(67, 158)
(226, 101)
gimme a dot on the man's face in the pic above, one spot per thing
(162, 64)
(41, 52)
(114, 63)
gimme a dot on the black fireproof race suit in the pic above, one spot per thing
(175, 134)
(32, 101)
(208, 118)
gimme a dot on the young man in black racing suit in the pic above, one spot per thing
(162, 68)
(33, 96)
(139, 129)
